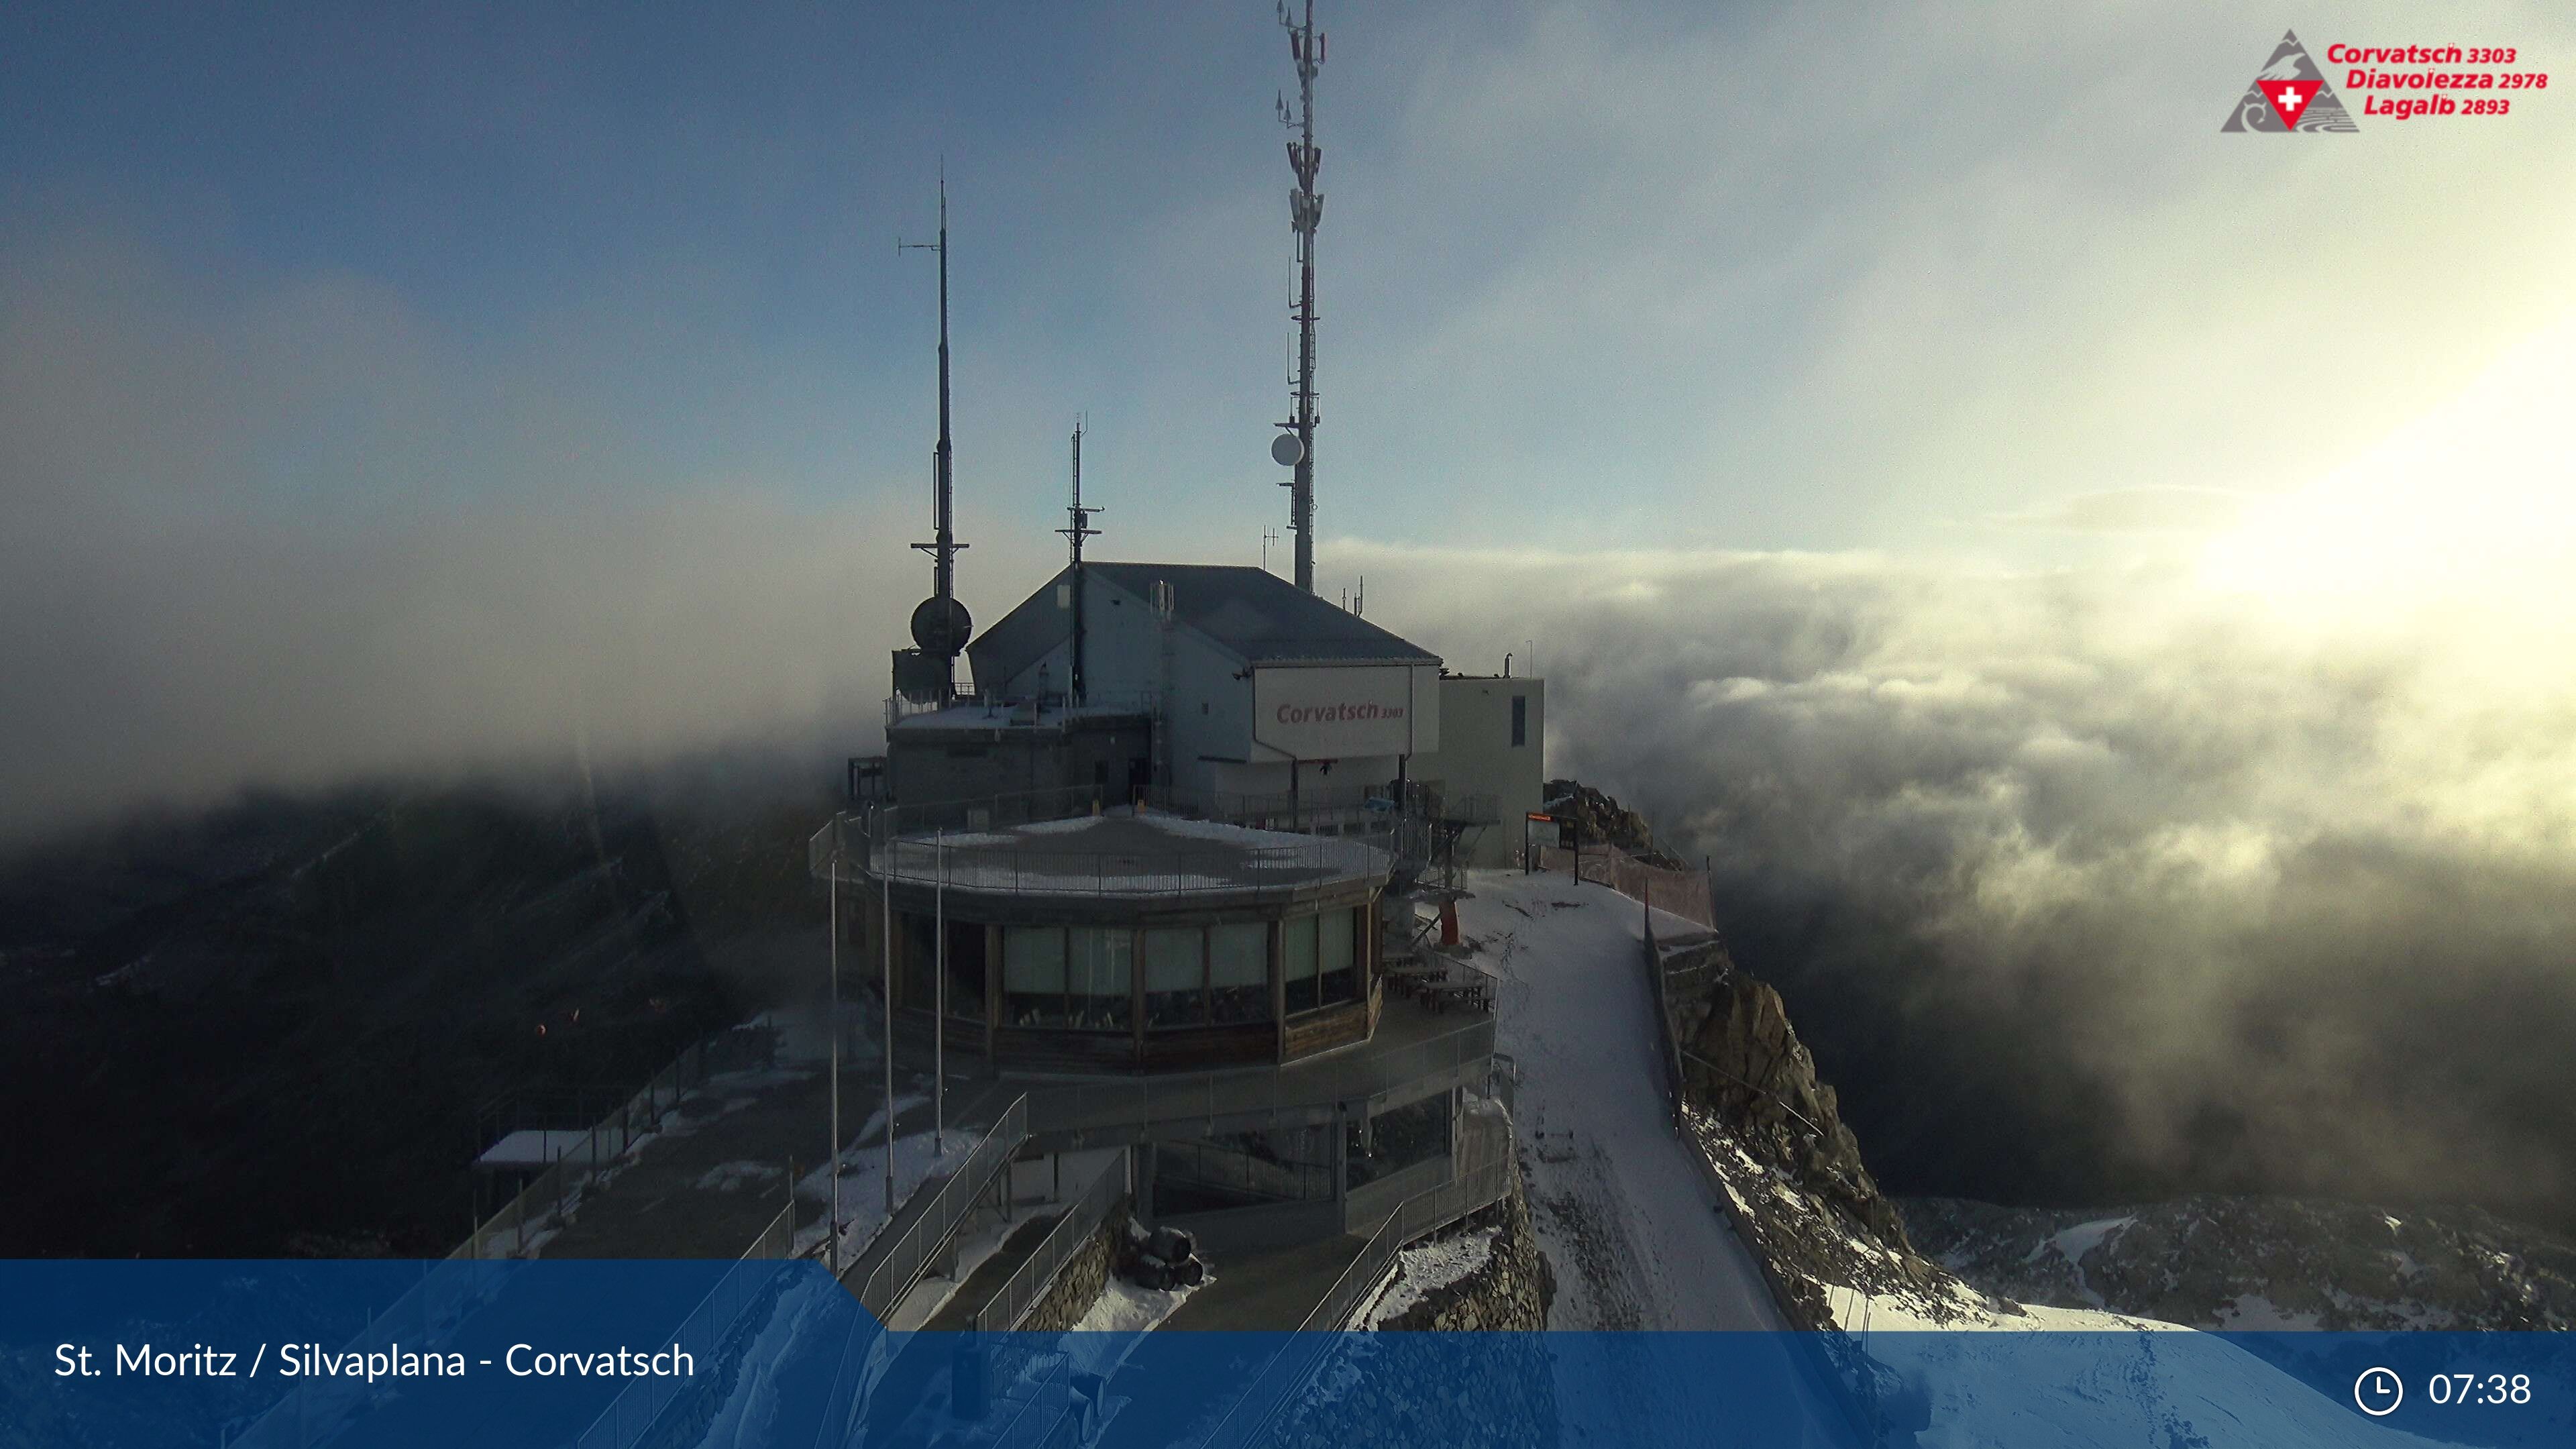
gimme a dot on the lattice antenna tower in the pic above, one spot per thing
(1295, 446)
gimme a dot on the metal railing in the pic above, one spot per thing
(909, 1255)
(1683, 893)
(868, 848)
(1050, 1399)
(1214, 870)
(550, 1195)
(631, 1415)
(317, 1407)
(1028, 1283)
(1503, 1083)
(1255, 1417)
(1400, 809)
(1030, 708)
(1144, 1102)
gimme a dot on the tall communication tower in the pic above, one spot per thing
(1295, 447)
(1076, 530)
(940, 625)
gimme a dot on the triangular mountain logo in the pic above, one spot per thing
(2290, 94)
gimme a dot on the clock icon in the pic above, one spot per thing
(2378, 1391)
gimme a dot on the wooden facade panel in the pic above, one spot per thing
(1321, 1031)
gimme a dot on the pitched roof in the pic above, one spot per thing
(1251, 612)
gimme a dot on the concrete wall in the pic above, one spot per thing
(1477, 756)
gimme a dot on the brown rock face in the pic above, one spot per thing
(1603, 820)
(1742, 1058)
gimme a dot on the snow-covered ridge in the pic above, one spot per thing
(2262, 1262)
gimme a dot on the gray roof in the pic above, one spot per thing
(1251, 612)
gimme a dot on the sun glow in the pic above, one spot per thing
(2474, 503)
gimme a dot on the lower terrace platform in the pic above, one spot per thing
(710, 1179)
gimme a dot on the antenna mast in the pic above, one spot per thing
(1078, 529)
(1305, 211)
(940, 625)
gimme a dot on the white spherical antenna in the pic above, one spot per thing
(1286, 451)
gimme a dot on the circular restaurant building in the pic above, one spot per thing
(1121, 941)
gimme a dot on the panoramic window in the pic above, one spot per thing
(1100, 979)
(1033, 975)
(1337, 972)
(1175, 977)
(1297, 962)
(1239, 972)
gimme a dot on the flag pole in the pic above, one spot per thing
(886, 878)
(832, 1254)
(939, 1004)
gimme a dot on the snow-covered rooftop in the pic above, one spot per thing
(1128, 852)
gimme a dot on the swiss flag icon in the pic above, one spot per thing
(2289, 98)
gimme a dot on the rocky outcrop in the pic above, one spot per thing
(1511, 1289)
(1772, 1132)
(1405, 1389)
(1742, 1060)
(1603, 819)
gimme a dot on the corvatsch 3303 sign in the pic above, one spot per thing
(1344, 712)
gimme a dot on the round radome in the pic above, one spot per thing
(1286, 451)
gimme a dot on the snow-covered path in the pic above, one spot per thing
(1629, 1222)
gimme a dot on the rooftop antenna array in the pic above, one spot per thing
(1295, 446)
(941, 625)
(1077, 529)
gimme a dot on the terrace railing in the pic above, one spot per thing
(891, 1272)
(549, 1196)
(1010, 1306)
(882, 844)
(1256, 1416)
(316, 1408)
(703, 1334)
(1121, 1108)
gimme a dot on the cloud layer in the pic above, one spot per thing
(2102, 883)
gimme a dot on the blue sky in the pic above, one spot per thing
(546, 303)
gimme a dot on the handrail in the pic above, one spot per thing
(1056, 1383)
(866, 853)
(549, 1192)
(907, 1258)
(1018, 1296)
(1142, 1102)
(1254, 1415)
(632, 1414)
(314, 1408)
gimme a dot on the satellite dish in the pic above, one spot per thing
(1286, 451)
(941, 626)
